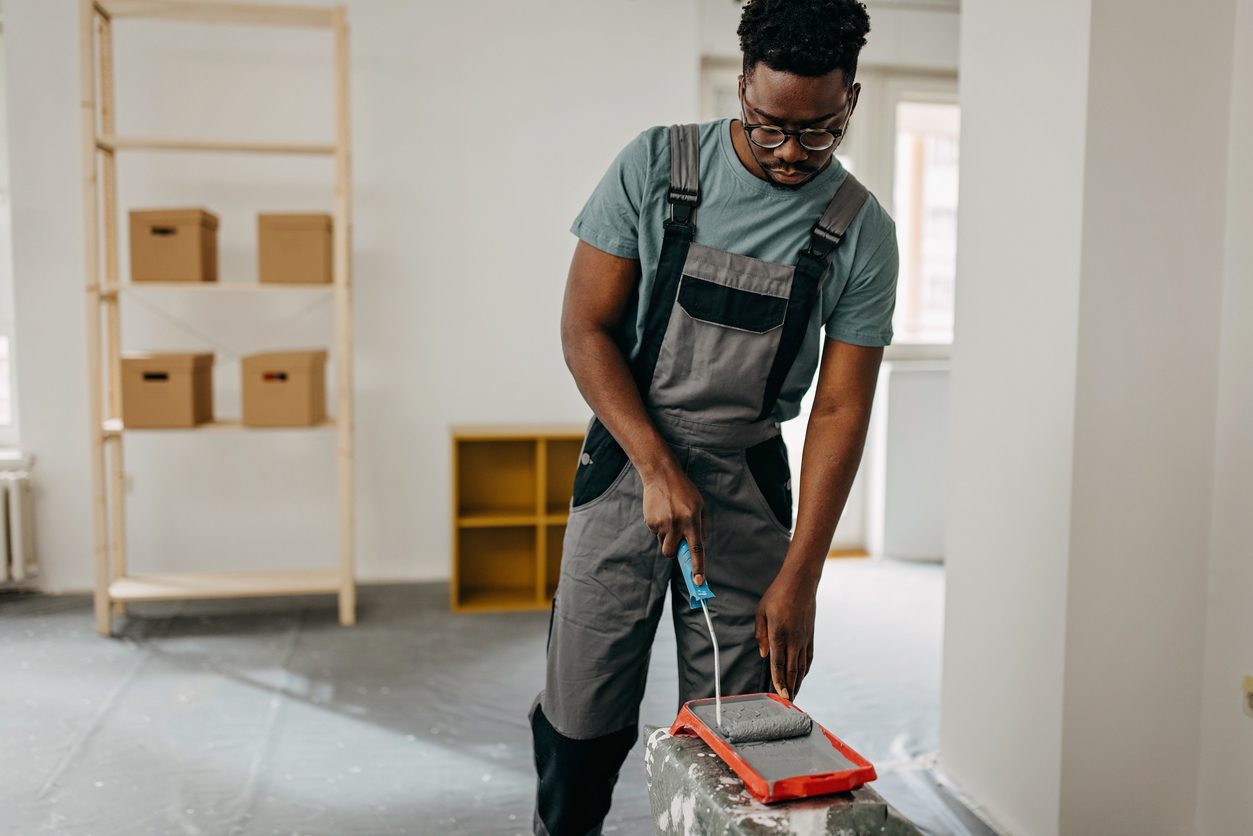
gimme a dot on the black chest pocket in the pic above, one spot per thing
(731, 307)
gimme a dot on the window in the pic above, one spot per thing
(924, 200)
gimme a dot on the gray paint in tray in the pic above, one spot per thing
(810, 753)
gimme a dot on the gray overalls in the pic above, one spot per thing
(721, 333)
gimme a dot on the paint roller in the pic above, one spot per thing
(744, 722)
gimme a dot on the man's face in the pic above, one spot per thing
(785, 100)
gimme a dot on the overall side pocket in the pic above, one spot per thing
(602, 463)
(772, 478)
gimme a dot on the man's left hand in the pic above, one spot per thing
(785, 631)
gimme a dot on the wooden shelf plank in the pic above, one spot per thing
(497, 519)
(223, 287)
(556, 518)
(108, 142)
(517, 432)
(178, 586)
(211, 12)
(113, 427)
(485, 600)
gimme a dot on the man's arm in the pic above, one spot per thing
(834, 440)
(598, 289)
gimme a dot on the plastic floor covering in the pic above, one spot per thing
(265, 717)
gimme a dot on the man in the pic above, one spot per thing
(710, 259)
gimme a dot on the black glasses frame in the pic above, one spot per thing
(750, 128)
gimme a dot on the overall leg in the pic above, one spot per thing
(609, 600)
(745, 545)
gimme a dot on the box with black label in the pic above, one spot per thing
(166, 390)
(174, 245)
(294, 248)
(285, 389)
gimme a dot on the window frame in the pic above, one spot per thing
(888, 87)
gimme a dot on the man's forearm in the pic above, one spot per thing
(833, 448)
(604, 378)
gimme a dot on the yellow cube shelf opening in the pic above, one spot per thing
(496, 565)
(511, 500)
(496, 478)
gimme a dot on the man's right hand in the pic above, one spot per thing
(675, 511)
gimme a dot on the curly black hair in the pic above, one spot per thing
(804, 37)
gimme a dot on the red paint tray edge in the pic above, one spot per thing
(798, 786)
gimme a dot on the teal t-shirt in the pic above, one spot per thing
(744, 214)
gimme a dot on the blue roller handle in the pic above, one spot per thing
(695, 593)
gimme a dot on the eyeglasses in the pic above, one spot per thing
(772, 136)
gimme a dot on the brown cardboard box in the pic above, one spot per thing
(174, 245)
(294, 248)
(167, 390)
(285, 389)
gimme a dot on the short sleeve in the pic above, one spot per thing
(610, 219)
(863, 314)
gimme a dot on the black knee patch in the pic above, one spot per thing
(576, 777)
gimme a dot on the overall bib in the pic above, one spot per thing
(721, 333)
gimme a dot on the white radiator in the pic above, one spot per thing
(17, 535)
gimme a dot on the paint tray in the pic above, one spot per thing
(777, 770)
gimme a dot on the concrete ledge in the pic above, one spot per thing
(693, 793)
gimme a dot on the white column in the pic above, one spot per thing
(1224, 803)
(1083, 409)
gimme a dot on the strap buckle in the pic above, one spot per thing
(682, 205)
(823, 242)
(681, 213)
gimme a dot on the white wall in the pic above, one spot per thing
(909, 449)
(1224, 803)
(460, 256)
(460, 253)
(1146, 388)
(917, 34)
(1084, 405)
(1012, 404)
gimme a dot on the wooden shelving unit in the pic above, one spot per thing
(101, 145)
(511, 498)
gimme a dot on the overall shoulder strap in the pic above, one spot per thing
(843, 208)
(810, 267)
(679, 227)
(684, 192)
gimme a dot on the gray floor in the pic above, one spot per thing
(266, 717)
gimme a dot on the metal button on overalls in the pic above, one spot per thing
(721, 333)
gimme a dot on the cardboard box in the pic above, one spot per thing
(167, 390)
(294, 248)
(285, 389)
(174, 245)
